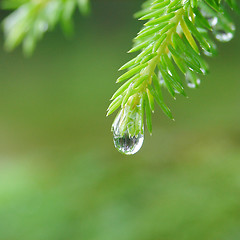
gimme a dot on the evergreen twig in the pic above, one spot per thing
(171, 42)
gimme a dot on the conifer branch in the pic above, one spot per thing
(171, 43)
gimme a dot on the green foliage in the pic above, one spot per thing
(31, 19)
(171, 43)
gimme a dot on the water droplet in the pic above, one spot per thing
(126, 144)
(212, 52)
(192, 81)
(213, 21)
(207, 53)
(223, 36)
(191, 85)
(161, 80)
(42, 26)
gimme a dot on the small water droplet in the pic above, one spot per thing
(161, 80)
(207, 53)
(126, 144)
(213, 21)
(42, 26)
(191, 85)
(210, 53)
(223, 36)
(192, 81)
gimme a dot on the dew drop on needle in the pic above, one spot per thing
(126, 144)
(223, 36)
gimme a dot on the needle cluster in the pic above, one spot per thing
(171, 43)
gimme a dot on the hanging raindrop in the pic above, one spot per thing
(213, 21)
(223, 36)
(192, 81)
(161, 80)
(125, 143)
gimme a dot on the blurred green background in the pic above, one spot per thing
(62, 179)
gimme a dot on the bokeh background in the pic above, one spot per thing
(62, 179)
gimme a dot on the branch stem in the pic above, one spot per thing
(149, 70)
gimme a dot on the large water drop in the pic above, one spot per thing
(126, 144)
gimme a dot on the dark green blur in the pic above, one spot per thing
(62, 179)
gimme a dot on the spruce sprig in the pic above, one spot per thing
(171, 43)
